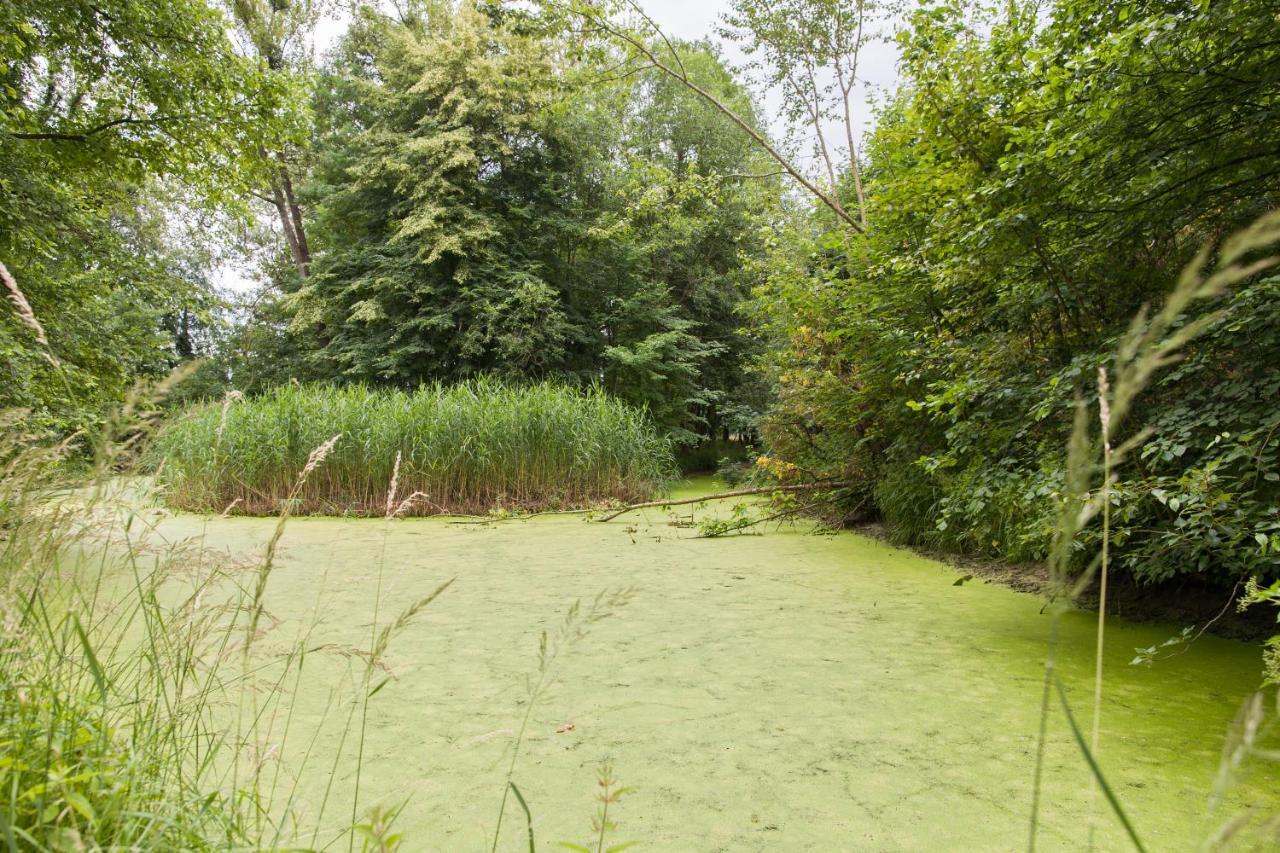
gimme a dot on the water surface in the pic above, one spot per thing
(779, 692)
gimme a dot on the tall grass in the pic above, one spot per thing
(137, 708)
(466, 448)
(108, 654)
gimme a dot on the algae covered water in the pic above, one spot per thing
(788, 691)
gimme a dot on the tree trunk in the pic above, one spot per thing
(303, 254)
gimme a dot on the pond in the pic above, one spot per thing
(787, 691)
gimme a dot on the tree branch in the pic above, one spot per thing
(679, 75)
(738, 493)
(83, 136)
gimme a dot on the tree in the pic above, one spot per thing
(489, 200)
(431, 156)
(652, 49)
(276, 32)
(104, 109)
(809, 50)
(1034, 182)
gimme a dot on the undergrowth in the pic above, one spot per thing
(1090, 502)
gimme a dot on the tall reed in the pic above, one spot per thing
(466, 448)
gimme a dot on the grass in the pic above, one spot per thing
(138, 709)
(472, 447)
(105, 698)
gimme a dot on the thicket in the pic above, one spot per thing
(471, 447)
(1039, 177)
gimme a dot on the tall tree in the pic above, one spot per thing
(276, 31)
(487, 198)
(651, 48)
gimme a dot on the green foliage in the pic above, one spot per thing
(110, 113)
(711, 456)
(469, 447)
(1033, 183)
(1255, 594)
(1153, 342)
(487, 198)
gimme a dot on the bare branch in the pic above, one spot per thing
(83, 136)
(737, 493)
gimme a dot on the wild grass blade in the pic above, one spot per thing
(1095, 770)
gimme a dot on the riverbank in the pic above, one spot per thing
(1188, 604)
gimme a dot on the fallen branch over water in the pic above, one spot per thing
(616, 511)
(738, 493)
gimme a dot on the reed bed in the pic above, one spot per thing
(468, 448)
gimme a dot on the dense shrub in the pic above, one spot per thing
(1037, 179)
(468, 447)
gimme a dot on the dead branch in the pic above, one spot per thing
(737, 493)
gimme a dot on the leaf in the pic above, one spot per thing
(1097, 771)
(528, 815)
(81, 804)
(94, 667)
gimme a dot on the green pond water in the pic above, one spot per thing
(780, 692)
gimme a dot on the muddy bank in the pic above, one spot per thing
(1186, 603)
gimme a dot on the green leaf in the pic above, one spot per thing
(81, 804)
(1096, 770)
(94, 667)
(528, 815)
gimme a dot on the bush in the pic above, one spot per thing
(466, 448)
(908, 502)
